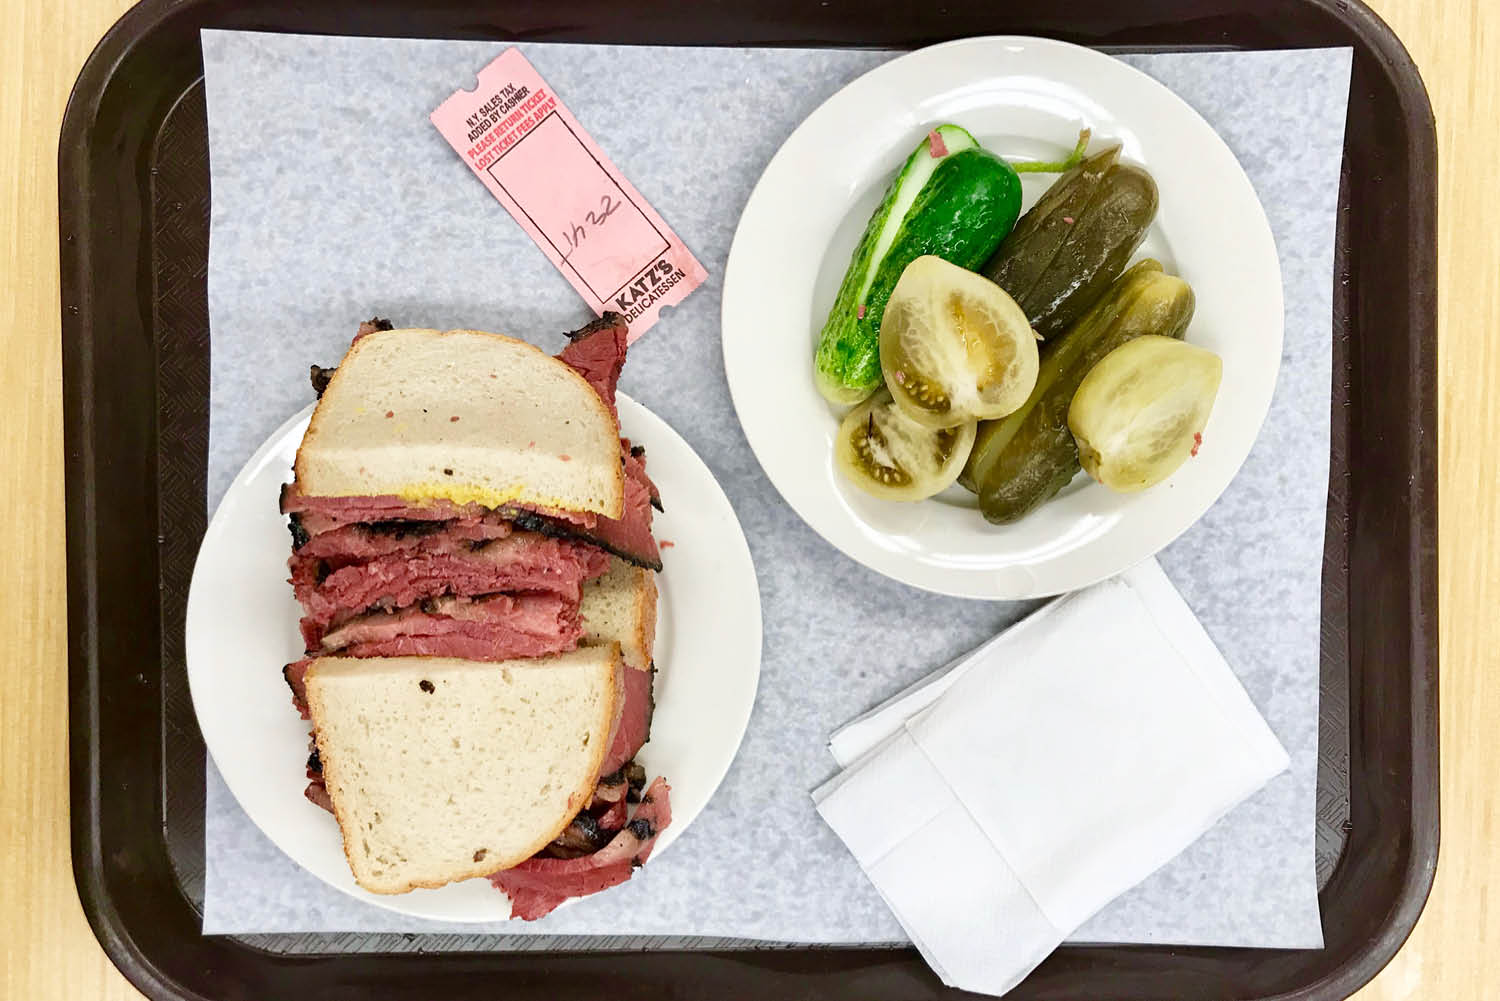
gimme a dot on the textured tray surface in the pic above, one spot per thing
(136, 393)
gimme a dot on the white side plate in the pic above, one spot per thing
(242, 627)
(1025, 99)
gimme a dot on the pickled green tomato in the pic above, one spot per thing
(1140, 413)
(954, 347)
(888, 455)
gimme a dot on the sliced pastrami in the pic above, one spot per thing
(323, 514)
(524, 562)
(589, 831)
(317, 794)
(613, 817)
(320, 377)
(621, 786)
(537, 886)
(367, 540)
(631, 533)
(584, 835)
(317, 790)
(373, 325)
(628, 537)
(492, 627)
(296, 679)
(634, 457)
(635, 721)
(607, 795)
(596, 351)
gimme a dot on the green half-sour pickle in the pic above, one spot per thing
(1023, 460)
(1075, 241)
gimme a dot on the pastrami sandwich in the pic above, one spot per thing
(473, 554)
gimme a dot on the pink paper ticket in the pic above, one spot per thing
(555, 181)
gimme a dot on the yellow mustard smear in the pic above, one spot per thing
(421, 492)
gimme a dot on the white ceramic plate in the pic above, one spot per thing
(242, 627)
(1025, 99)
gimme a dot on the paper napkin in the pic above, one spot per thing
(1001, 803)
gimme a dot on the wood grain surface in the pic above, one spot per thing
(47, 949)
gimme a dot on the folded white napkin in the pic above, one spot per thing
(1000, 803)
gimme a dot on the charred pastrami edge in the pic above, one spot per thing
(299, 700)
(651, 709)
(300, 537)
(607, 320)
(399, 527)
(628, 772)
(583, 836)
(530, 522)
(639, 452)
(320, 377)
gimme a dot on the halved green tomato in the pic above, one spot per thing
(954, 347)
(888, 455)
(1139, 414)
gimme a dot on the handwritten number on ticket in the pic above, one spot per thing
(531, 153)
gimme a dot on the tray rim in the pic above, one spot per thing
(80, 413)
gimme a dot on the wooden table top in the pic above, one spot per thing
(46, 947)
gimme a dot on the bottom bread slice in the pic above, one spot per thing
(443, 769)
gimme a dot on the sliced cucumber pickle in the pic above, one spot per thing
(1140, 413)
(888, 455)
(954, 347)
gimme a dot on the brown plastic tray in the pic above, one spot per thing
(133, 180)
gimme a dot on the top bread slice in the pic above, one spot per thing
(442, 769)
(620, 607)
(464, 416)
